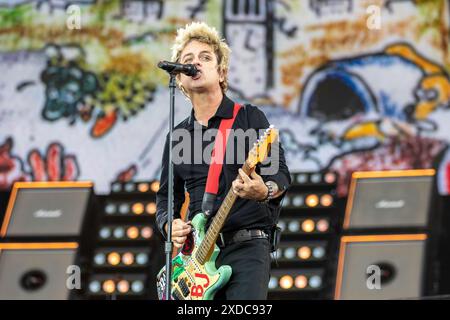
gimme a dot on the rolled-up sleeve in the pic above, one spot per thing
(162, 194)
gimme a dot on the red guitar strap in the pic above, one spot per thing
(217, 160)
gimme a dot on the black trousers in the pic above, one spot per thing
(250, 262)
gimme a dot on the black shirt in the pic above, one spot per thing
(245, 214)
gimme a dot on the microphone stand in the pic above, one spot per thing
(168, 244)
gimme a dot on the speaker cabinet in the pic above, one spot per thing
(389, 199)
(49, 209)
(381, 267)
(31, 271)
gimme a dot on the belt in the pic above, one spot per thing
(228, 238)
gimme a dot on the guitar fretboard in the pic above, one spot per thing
(217, 223)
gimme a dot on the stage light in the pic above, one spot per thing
(141, 258)
(316, 178)
(318, 252)
(298, 201)
(132, 232)
(151, 208)
(99, 259)
(119, 232)
(323, 225)
(294, 226)
(113, 258)
(143, 187)
(304, 253)
(308, 225)
(289, 253)
(109, 286)
(127, 258)
(129, 187)
(326, 200)
(155, 186)
(138, 208)
(147, 232)
(116, 187)
(312, 200)
(302, 178)
(282, 225)
(315, 282)
(94, 286)
(273, 283)
(123, 286)
(286, 201)
(137, 286)
(286, 282)
(301, 282)
(124, 208)
(110, 209)
(330, 177)
(105, 233)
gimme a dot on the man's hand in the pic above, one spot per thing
(252, 187)
(180, 230)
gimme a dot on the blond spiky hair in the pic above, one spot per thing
(201, 32)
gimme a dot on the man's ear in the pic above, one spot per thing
(222, 74)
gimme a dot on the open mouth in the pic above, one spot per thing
(197, 76)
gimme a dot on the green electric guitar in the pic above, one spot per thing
(194, 275)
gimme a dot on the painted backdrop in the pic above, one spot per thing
(351, 84)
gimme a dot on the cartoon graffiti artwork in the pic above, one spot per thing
(248, 28)
(374, 124)
(53, 165)
(128, 174)
(72, 91)
(11, 166)
(61, 5)
(142, 10)
(344, 97)
(323, 7)
(68, 86)
(389, 4)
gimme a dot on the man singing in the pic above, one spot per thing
(244, 242)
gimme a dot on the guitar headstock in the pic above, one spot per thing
(261, 147)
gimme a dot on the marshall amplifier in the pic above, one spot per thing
(382, 267)
(43, 271)
(389, 199)
(46, 209)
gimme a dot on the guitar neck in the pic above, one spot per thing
(218, 221)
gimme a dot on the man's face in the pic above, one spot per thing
(202, 56)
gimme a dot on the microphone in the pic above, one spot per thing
(173, 68)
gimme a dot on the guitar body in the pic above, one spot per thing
(192, 280)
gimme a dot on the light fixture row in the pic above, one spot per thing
(314, 178)
(130, 208)
(309, 251)
(120, 257)
(308, 200)
(126, 232)
(124, 284)
(135, 187)
(315, 225)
